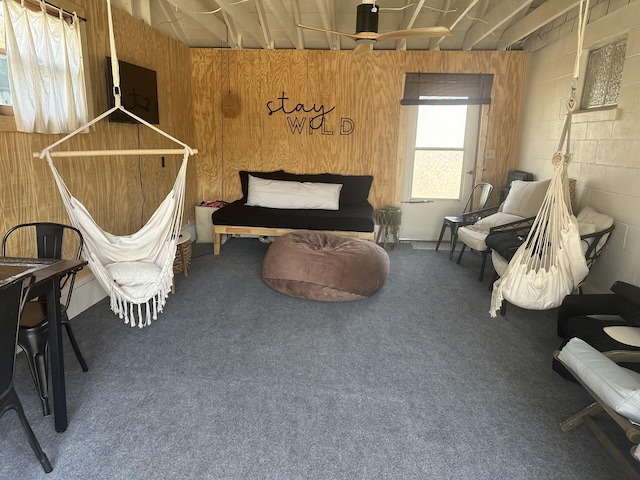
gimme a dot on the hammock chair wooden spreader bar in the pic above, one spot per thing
(549, 265)
(136, 270)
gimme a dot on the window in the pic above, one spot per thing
(439, 151)
(5, 93)
(43, 51)
(603, 75)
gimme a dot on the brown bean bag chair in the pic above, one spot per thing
(318, 266)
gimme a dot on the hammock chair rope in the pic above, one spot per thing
(136, 270)
(549, 265)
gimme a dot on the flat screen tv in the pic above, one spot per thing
(139, 93)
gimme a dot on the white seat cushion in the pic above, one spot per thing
(500, 263)
(616, 386)
(474, 235)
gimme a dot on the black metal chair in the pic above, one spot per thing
(453, 222)
(33, 335)
(11, 301)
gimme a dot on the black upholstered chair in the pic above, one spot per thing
(54, 241)
(454, 221)
(11, 299)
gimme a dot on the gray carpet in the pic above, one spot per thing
(237, 381)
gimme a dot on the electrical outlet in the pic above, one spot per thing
(490, 154)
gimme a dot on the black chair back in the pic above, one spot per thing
(49, 242)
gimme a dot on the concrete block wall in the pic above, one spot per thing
(605, 143)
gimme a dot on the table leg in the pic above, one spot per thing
(56, 357)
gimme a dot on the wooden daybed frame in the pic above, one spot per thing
(219, 230)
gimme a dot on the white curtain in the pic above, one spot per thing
(46, 75)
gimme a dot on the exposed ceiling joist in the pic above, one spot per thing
(409, 19)
(328, 23)
(172, 22)
(241, 15)
(210, 22)
(451, 19)
(545, 13)
(486, 24)
(494, 19)
(266, 33)
(286, 22)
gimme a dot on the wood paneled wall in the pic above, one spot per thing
(364, 88)
(120, 192)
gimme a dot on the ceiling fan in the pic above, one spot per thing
(367, 29)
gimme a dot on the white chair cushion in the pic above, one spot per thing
(616, 386)
(590, 221)
(499, 218)
(474, 235)
(133, 273)
(525, 198)
(293, 195)
(590, 216)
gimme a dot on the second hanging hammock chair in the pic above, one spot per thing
(550, 264)
(136, 270)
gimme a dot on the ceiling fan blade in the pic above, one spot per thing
(324, 30)
(363, 47)
(415, 33)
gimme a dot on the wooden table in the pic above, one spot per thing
(47, 273)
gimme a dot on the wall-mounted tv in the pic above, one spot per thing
(139, 93)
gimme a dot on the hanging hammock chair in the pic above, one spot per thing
(135, 270)
(550, 264)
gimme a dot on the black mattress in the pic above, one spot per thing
(350, 218)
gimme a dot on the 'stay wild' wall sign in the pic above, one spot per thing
(301, 118)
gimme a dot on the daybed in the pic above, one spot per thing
(349, 214)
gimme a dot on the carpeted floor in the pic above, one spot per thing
(237, 381)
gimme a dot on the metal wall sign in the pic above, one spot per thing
(302, 117)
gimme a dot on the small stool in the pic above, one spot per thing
(389, 219)
(183, 254)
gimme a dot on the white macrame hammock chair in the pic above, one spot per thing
(550, 264)
(155, 243)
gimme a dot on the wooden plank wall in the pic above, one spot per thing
(363, 88)
(120, 192)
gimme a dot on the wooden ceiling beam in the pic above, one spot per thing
(172, 21)
(538, 18)
(266, 33)
(494, 19)
(328, 24)
(243, 17)
(286, 22)
(210, 22)
(410, 16)
(451, 19)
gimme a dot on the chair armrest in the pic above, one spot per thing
(517, 228)
(618, 356)
(626, 356)
(470, 218)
